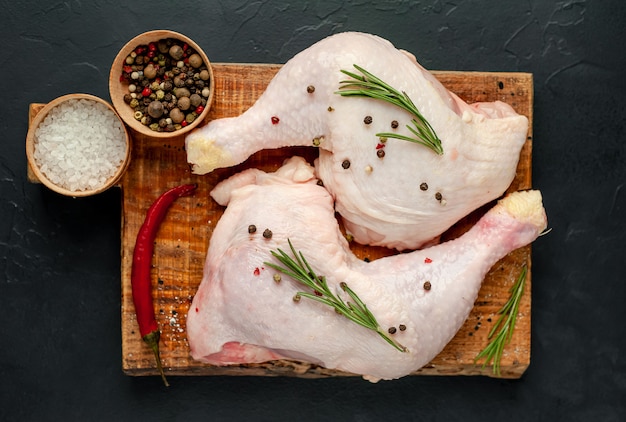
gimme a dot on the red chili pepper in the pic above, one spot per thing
(140, 272)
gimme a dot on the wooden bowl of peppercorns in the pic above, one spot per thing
(161, 84)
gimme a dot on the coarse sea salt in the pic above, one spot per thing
(80, 145)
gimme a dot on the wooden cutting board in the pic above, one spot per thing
(183, 238)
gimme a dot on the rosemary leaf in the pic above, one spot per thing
(299, 269)
(506, 325)
(368, 85)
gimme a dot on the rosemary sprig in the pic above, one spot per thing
(299, 269)
(506, 322)
(368, 85)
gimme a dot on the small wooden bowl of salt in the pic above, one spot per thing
(77, 145)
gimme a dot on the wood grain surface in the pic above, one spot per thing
(183, 238)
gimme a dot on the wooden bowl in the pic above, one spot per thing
(31, 145)
(119, 88)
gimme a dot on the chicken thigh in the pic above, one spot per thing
(390, 192)
(242, 314)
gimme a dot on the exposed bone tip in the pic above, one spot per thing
(205, 155)
(526, 206)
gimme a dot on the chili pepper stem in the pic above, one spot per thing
(152, 340)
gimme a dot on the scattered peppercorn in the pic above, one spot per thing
(391, 330)
(310, 89)
(402, 327)
(267, 233)
(424, 186)
(380, 153)
(438, 196)
(345, 164)
(427, 285)
(251, 228)
(275, 120)
(277, 278)
(394, 124)
(297, 298)
(165, 71)
(367, 120)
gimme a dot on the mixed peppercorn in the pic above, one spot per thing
(168, 84)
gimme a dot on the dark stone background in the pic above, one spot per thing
(60, 357)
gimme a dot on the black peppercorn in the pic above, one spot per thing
(380, 153)
(367, 120)
(438, 196)
(424, 186)
(402, 327)
(251, 228)
(310, 89)
(267, 233)
(345, 164)
(391, 330)
(427, 285)
(394, 124)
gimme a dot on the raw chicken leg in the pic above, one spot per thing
(240, 314)
(400, 200)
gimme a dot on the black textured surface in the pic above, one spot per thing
(60, 356)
